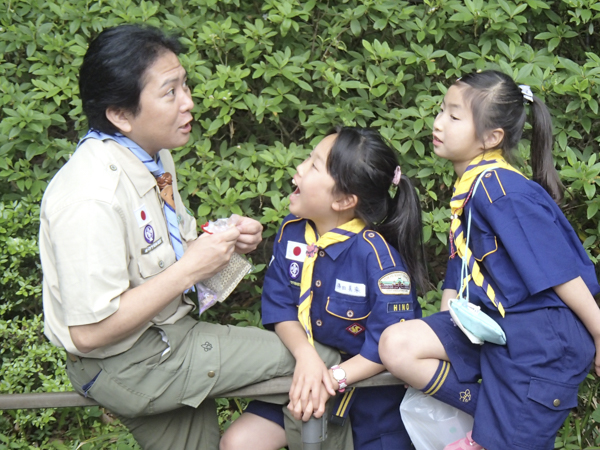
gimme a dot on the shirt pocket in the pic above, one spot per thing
(156, 261)
(483, 245)
(344, 308)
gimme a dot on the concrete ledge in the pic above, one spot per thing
(281, 385)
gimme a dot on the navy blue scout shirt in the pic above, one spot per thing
(523, 243)
(360, 287)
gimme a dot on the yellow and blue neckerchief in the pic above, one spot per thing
(463, 189)
(339, 234)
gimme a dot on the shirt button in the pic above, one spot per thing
(371, 235)
(321, 253)
(402, 320)
(319, 322)
(318, 283)
(211, 374)
(113, 167)
(487, 175)
(556, 402)
(350, 313)
(161, 264)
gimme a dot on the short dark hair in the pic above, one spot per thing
(113, 69)
(497, 102)
(362, 164)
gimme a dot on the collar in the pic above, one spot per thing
(335, 250)
(141, 178)
(464, 184)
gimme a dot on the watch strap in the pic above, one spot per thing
(342, 384)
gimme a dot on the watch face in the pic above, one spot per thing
(339, 374)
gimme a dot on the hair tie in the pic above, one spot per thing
(397, 176)
(526, 92)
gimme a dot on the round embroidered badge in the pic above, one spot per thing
(294, 270)
(149, 234)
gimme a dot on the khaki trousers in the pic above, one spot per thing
(158, 388)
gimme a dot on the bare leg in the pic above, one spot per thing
(252, 432)
(411, 351)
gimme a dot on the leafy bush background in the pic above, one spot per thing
(269, 78)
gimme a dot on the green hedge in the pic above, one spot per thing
(269, 78)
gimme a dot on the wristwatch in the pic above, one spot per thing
(339, 375)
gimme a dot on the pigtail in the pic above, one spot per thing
(403, 228)
(542, 161)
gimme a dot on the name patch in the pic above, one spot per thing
(148, 249)
(395, 283)
(296, 251)
(393, 307)
(348, 288)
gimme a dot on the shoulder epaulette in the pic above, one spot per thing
(286, 223)
(492, 186)
(381, 248)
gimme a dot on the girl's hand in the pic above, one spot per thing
(310, 376)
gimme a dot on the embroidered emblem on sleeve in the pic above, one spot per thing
(355, 329)
(395, 283)
(296, 251)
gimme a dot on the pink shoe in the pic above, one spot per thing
(466, 443)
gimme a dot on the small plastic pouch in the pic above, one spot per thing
(218, 287)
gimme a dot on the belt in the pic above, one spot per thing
(72, 357)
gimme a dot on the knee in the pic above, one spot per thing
(231, 440)
(394, 344)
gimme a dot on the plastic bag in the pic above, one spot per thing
(218, 287)
(430, 423)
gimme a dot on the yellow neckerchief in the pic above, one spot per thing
(462, 192)
(339, 234)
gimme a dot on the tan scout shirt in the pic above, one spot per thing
(103, 232)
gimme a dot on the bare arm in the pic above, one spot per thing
(310, 373)
(447, 294)
(357, 368)
(578, 297)
(204, 257)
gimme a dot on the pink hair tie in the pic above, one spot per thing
(397, 176)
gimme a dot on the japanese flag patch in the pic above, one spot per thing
(142, 216)
(296, 251)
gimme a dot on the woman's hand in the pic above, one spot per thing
(250, 235)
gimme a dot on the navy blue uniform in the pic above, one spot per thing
(360, 287)
(525, 247)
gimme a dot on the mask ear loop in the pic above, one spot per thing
(464, 270)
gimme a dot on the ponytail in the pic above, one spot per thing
(362, 164)
(497, 102)
(403, 228)
(542, 162)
